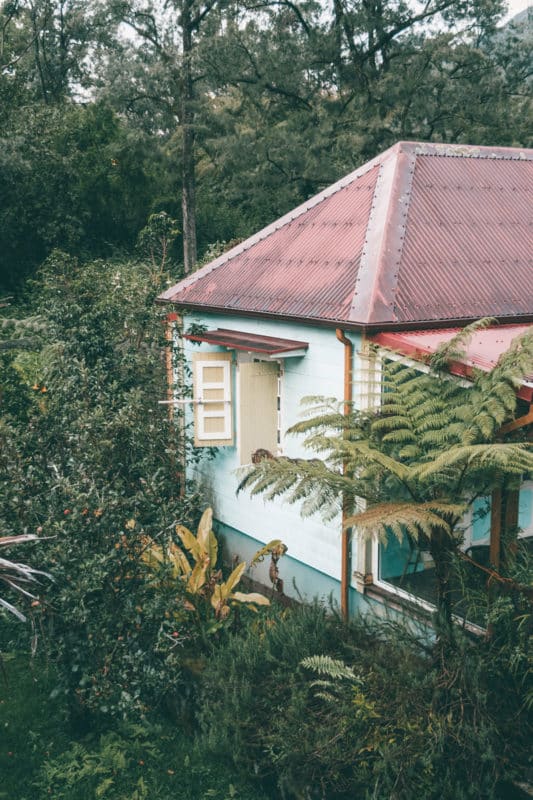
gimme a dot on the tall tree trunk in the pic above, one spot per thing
(188, 196)
(441, 549)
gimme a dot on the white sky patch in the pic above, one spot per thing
(515, 7)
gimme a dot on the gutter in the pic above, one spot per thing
(369, 327)
(345, 533)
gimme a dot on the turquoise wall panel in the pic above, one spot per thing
(300, 581)
(319, 372)
(481, 519)
(525, 509)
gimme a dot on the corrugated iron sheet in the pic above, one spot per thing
(249, 342)
(482, 351)
(305, 268)
(424, 233)
(468, 241)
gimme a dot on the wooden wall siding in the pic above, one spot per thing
(320, 372)
(310, 540)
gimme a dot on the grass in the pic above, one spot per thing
(32, 728)
(41, 758)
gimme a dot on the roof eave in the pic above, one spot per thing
(369, 327)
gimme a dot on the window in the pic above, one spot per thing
(257, 413)
(212, 399)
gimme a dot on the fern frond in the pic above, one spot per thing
(310, 481)
(362, 453)
(332, 667)
(455, 349)
(514, 459)
(402, 518)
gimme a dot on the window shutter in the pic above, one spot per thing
(212, 399)
(258, 408)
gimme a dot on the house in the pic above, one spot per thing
(402, 252)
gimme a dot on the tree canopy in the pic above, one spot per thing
(226, 115)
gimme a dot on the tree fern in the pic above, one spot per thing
(419, 459)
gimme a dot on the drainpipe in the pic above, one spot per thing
(345, 534)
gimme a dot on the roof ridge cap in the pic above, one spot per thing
(458, 150)
(374, 299)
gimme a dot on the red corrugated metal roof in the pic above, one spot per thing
(482, 351)
(250, 342)
(424, 233)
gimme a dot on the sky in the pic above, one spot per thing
(515, 6)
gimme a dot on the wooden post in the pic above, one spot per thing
(495, 528)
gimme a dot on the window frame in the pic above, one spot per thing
(203, 438)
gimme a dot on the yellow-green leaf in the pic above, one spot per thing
(189, 541)
(198, 576)
(216, 597)
(204, 529)
(275, 546)
(178, 559)
(213, 550)
(233, 579)
(251, 597)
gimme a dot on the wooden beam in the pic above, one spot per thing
(346, 533)
(521, 422)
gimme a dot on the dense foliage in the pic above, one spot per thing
(277, 704)
(298, 705)
(130, 130)
(319, 709)
(91, 463)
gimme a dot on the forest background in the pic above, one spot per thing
(225, 115)
(136, 137)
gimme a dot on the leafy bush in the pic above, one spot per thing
(95, 467)
(319, 709)
(138, 762)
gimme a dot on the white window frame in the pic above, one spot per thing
(202, 411)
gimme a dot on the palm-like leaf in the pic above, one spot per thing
(406, 518)
(18, 576)
(514, 459)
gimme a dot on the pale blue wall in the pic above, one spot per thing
(314, 546)
(299, 579)
(310, 541)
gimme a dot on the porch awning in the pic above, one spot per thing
(482, 351)
(269, 346)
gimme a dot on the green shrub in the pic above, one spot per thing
(139, 762)
(381, 720)
(95, 466)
